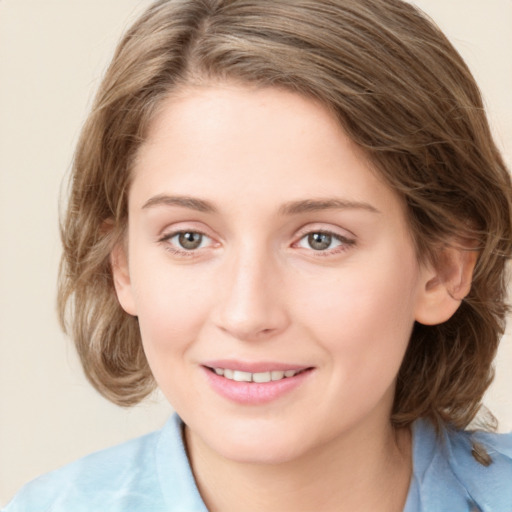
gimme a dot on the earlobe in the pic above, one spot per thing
(445, 286)
(121, 277)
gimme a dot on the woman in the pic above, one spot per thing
(291, 216)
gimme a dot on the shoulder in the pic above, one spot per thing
(447, 474)
(95, 480)
(124, 477)
(490, 486)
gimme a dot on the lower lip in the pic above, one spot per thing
(254, 393)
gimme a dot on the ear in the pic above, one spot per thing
(121, 276)
(445, 285)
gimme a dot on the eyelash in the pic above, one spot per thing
(190, 253)
(344, 243)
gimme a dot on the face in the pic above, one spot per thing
(272, 273)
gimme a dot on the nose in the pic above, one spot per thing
(252, 303)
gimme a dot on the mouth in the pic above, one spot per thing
(255, 383)
(257, 377)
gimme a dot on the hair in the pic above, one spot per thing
(399, 90)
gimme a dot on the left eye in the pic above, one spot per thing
(319, 241)
(188, 240)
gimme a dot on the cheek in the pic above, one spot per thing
(364, 318)
(363, 328)
(172, 306)
(171, 318)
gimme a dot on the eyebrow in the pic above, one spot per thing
(290, 208)
(191, 203)
(314, 205)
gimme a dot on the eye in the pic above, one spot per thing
(323, 241)
(320, 241)
(186, 241)
(189, 240)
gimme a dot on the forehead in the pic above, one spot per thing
(234, 119)
(232, 143)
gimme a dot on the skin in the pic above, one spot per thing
(256, 290)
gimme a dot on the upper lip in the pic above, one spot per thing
(253, 367)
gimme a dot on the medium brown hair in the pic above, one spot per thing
(400, 91)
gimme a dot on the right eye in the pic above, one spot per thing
(186, 241)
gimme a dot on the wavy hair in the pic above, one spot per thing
(400, 91)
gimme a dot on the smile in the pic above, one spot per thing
(260, 377)
(264, 384)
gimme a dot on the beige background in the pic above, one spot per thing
(52, 55)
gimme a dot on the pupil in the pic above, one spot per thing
(190, 240)
(319, 241)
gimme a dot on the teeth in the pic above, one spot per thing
(277, 375)
(260, 377)
(242, 376)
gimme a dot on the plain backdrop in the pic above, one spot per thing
(52, 56)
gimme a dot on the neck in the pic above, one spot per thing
(364, 470)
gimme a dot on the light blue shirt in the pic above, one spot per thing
(152, 474)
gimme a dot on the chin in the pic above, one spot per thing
(257, 445)
(261, 452)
